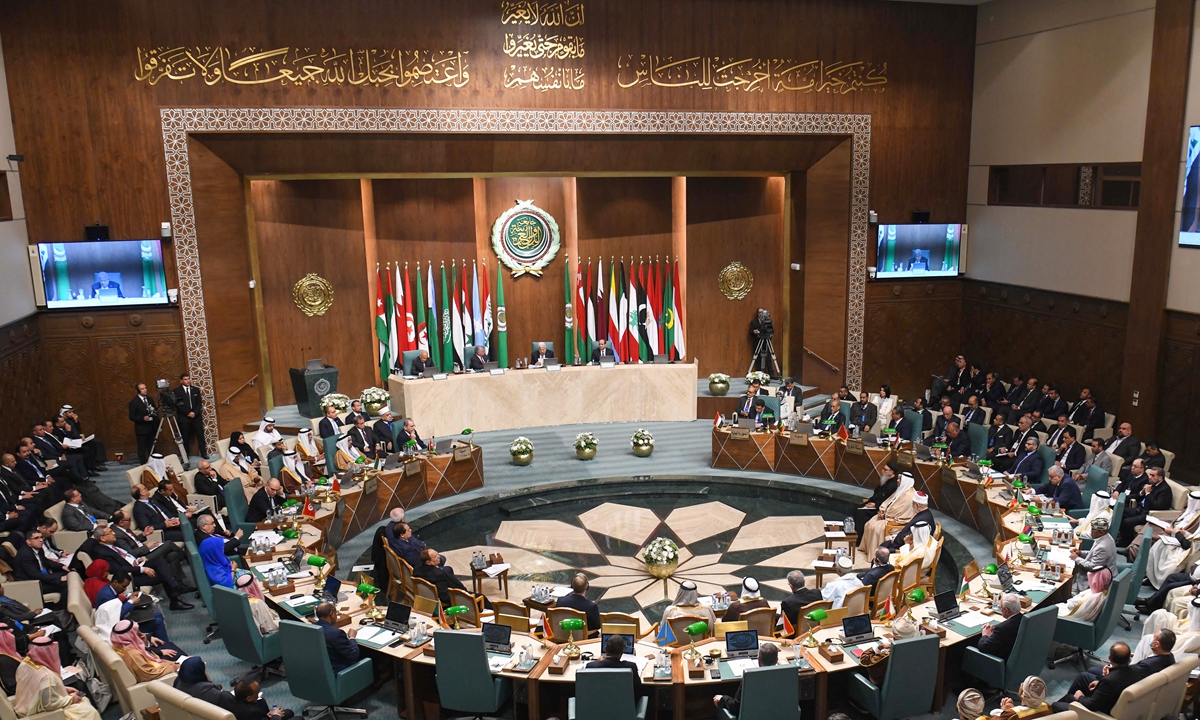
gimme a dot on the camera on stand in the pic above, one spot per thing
(166, 398)
(762, 330)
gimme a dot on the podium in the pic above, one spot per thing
(311, 384)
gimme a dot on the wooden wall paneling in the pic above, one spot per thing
(730, 219)
(1179, 413)
(569, 230)
(826, 264)
(223, 242)
(626, 217)
(372, 264)
(1154, 238)
(534, 305)
(316, 226)
(912, 328)
(795, 212)
(483, 233)
(22, 394)
(425, 220)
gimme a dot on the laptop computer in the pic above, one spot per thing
(869, 438)
(497, 638)
(947, 606)
(397, 617)
(745, 423)
(107, 294)
(857, 629)
(444, 446)
(292, 564)
(491, 366)
(628, 638)
(332, 586)
(922, 451)
(661, 359)
(973, 471)
(741, 644)
(547, 362)
(1004, 575)
(429, 372)
(805, 427)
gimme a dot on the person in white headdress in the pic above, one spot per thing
(845, 582)
(751, 599)
(1101, 506)
(347, 454)
(897, 509)
(1167, 554)
(267, 434)
(1187, 630)
(236, 467)
(306, 446)
(687, 602)
(1086, 605)
(155, 471)
(293, 474)
(919, 545)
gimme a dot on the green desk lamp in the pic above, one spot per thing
(571, 625)
(696, 628)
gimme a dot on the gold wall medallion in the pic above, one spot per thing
(735, 281)
(313, 294)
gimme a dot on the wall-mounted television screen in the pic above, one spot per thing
(1189, 218)
(102, 273)
(919, 250)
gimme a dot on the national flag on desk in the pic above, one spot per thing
(788, 630)
(546, 626)
(966, 584)
(843, 433)
(309, 509)
(887, 611)
(666, 636)
(717, 420)
(442, 616)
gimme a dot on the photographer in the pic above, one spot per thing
(143, 413)
(188, 407)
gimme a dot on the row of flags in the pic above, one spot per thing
(639, 312)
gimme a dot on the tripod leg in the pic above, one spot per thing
(173, 423)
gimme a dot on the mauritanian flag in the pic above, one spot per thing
(381, 326)
(667, 326)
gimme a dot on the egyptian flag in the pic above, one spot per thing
(546, 626)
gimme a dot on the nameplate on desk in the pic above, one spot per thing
(798, 438)
(905, 458)
(607, 365)
(854, 446)
(739, 433)
(554, 368)
(370, 485)
(949, 476)
(462, 452)
(440, 376)
(412, 467)
(496, 371)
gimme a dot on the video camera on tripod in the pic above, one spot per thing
(766, 328)
(763, 329)
(166, 416)
(166, 398)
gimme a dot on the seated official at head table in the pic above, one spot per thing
(409, 432)
(420, 362)
(602, 351)
(479, 358)
(541, 354)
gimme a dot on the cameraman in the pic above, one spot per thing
(144, 415)
(188, 407)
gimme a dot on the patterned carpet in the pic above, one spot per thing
(681, 452)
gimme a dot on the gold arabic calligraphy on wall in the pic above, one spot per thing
(542, 46)
(546, 14)
(304, 66)
(751, 74)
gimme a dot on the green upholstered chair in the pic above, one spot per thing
(606, 694)
(768, 693)
(908, 682)
(330, 444)
(189, 532)
(204, 586)
(533, 346)
(406, 359)
(465, 685)
(242, 637)
(236, 506)
(1048, 458)
(1137, 574)
(310, 675)
(468, 353)
(979, 439)
(772, 403)
(1028, 653)
(914, 422)
(274, 465)
(1097, 480)
(844, 409)
(1088, 637)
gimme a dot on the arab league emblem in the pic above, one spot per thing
(525, 238)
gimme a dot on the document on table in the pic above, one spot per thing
(822, 564)
(378, 636)
(835, 534)
(1158, 522)
(973, 619)
(641, 662)
(302, 600)
(271, 536)
(496, 663)
(494, 570)
(559, 592)
(1061, 555)
(737, 667)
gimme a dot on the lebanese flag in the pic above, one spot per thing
(486, 300)
(677, 314)
(633, 345)
(407, 329)
(614, 312)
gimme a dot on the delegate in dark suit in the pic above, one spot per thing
(999, 440)
(477, 362)
(80, 518)
(1071, 458)
(206, 484)
(864, 415)
(352, 417)
(960, 445)
(835, 419)
(384, 435)
(442, 580)
(1127, 449)
(895, 543)
(792, 604)
(973, 415)
(1158, 497)
(600, 353)
(150, 514)
(575, 601)
(1066, 492)
(110, 285)
(143, 413)
(418, 366)
(262, 505)
(343, 652)
(188, 408)
(31, 564)
(871, 577)
(605, 663)
(1004, 636)
(329, 427)
(405, 437)
(902, 427)
(1029, 465)
(363, 440)
(1108, 689)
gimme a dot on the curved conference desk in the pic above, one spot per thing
(538, 397)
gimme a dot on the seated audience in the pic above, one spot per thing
(900, 507)
(687, 602)
(307, 447)
(131, 606)
(1032, 693)
(266, 502)
(193, 680)
(1100, 506)
(577, 600)
(1029, 464)
(1000, 438)
(246, 703)
(1061, 489)
(974, 413)
(432, 570)
(1086, 605)
(923, 412)
(404, 541)
(409, 432)
(845, 581)
(1070, 455)
(134, 543)
(1153, 495)
(863, 413)
(331, 425)
(384, 431)
(970, 704)
(800, 597)
(1102, 554)
(217, 567)
(362, 439)
(768, 655)
(1172, 547)
(919, 545)
(266, 619)
(1104, 688)
(922, 515)
(881, 565)
(40, 687)
(77, 515)
(998, 640)
(206, 527)
(419, 363)
(10, 659)
(957, 443)
(32, 564)
(750, 599)
(343, 651)
(149, 514)
(887, 485)
(144, 571)
(832, 420)
(127, 640)
(1124, 444)
(900, 424)
(1099, 458)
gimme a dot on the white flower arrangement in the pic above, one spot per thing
(520, 446)
(374, 395)
(718, 378)
(760, 376)
(641, 438)
(660, 551)
(336, 400)
(585, 441)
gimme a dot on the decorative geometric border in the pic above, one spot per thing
(178, 122)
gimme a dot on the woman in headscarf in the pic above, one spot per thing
(237, 439)
(193, 680)
(265, 618)
(308, 449)
(1033, 701)
(1101, 506)
(216, 566)
(97, 579)
(687, 602)
(267, 435)
(10, 658)
(127, 640)
(1086, 605)
(970, 704)
(40, 687)
(1168, 555)
(919, 546)
(896, 509)
(347, 454)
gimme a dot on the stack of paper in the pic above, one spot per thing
(496, 569)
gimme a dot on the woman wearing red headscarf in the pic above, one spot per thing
(40, 687)
(127, 641)
(97, 578)
(265, 618)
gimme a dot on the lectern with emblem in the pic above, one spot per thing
(311, 384)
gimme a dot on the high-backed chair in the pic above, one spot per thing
(475, 613)
(205, 588)
(678, 625)
(242, 637)
(768, 693)
(884, 589)
(915, 423)
(618, 618)
(533, 347)
(29, 594)
(908, 682)
(8, 713)
(177, 705)
(465, 685)
(1170, 458)
(1135, 703)
(406, 359)
(424, 589)
(1138, 573)
(1170, 698)
(132, 695)
(310, 674)
(1048, 457)
(728, 627)
(929, 582)
(857, 600)
(556, 615)
(1097, 480)
(399, 576)
(606, 694)
(1087, 637)
(78, 603)
(910, 577)
(978, 435)
(761, 620)
(805, 623)
(1029, 651)
(274, 465)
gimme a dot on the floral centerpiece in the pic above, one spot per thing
(338, 401)
(760, 376)
(718, 384)
(521, 450)
(661, 557)
(642, 442)
(374, 399)
(585, 446)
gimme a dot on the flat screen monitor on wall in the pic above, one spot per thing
(1189, 218)
(102, 273)
(923, 250)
